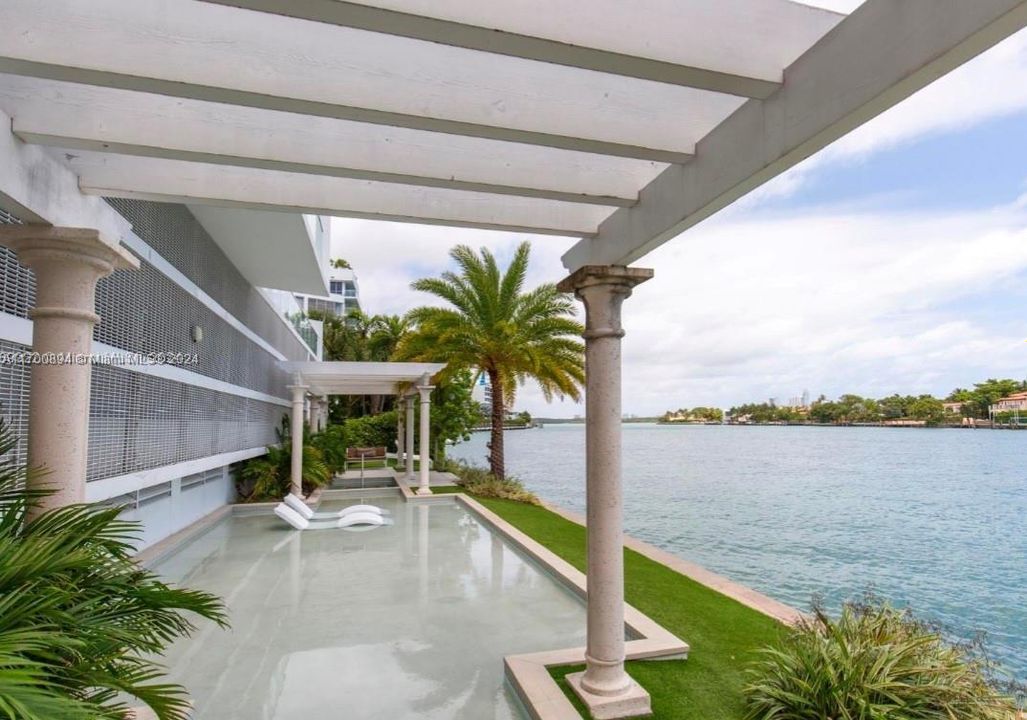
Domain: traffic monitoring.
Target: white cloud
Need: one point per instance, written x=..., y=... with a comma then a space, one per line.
x=743, y=309
x=990, y=86
x=387, y=257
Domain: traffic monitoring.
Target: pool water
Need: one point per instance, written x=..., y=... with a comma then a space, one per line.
x=409, y=620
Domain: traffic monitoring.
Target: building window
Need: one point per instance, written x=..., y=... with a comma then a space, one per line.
x=336, y=287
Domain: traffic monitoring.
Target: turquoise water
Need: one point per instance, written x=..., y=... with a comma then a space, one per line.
x=936, y=519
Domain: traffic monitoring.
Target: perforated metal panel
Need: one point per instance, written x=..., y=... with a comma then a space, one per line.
x=139, y=421
x=180, y=239
x=143, y=311
x=14, y=399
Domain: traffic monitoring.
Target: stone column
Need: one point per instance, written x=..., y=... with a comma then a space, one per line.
x=400, y=435
x=604, y=686
x=324, y=412
x=312, y=411
x=409, y=424
x=299, y=392
x=67, y=262
x=424, y=389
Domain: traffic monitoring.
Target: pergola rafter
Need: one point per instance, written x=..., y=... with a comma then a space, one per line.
x=622, y=131
x=499, y=40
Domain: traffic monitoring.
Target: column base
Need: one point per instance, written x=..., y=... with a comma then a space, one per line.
x=424, y=491
x=634, y=702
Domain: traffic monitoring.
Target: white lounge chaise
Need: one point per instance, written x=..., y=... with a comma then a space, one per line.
x=303, y=509
x=299, y=522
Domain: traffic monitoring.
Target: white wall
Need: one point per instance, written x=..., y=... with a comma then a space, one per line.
x=172, y=506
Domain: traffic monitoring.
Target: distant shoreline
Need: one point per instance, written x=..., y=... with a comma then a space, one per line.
x=983, y=425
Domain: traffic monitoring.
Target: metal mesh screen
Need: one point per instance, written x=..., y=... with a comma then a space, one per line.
x=14, y=399
x=138, y=421
x=179, y=238
x=143, y=311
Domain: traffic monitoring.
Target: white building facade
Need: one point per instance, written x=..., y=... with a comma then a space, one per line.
x=343, y=295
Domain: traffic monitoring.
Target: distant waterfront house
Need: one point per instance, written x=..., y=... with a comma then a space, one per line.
x=1016, y=401
x=954, y=408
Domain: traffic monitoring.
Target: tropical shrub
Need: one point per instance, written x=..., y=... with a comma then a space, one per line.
x=331, y=443
x=874, y=662
x=479, y=481
x=269, y=476
x=79, y=620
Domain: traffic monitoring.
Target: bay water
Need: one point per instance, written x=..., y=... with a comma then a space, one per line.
x=935, y=519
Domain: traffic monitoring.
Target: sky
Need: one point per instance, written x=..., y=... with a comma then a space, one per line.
x=895, y=260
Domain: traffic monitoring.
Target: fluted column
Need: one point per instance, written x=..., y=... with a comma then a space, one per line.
x=299, y=392
x=67, y=263
x=424, y=390
x=604, y=686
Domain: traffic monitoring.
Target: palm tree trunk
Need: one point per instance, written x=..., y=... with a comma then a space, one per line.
x=496, y=461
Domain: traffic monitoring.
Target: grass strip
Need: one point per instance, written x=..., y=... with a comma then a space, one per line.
x=722, y=633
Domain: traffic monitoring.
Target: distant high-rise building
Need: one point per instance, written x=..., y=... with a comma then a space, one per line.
x=343, y=296
x=482, y=394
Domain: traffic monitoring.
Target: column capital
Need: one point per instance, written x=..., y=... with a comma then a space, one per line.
x=425, y=391
x=603, y=288
x=617, y=276
x=35, y=242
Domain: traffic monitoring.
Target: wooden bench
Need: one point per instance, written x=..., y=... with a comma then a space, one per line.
x=363, y=455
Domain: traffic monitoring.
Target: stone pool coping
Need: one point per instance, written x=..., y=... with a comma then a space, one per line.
x=528, y=673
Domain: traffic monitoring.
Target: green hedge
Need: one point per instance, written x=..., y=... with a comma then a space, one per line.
x=372, y=431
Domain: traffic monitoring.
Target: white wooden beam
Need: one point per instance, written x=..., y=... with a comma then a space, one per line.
x=198, y=183
x=245, y=98
x=35, y=134
x=881, y=54
x=36, y=188
x=492, y=40
x=108, y=120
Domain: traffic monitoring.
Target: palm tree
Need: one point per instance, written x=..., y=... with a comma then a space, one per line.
x=80, y=622
x=387, y=332
x=496, y=327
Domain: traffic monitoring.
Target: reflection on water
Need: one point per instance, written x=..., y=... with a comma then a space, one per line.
x=408, y=621
x=933, y=518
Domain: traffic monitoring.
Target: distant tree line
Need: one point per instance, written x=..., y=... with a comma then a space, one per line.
x=695, y=415
x=851, y=408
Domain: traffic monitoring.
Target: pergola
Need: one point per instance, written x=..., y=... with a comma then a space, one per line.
x=320, y=380
x=622, y=124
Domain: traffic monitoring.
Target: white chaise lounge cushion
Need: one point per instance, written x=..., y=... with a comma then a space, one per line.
x=360, y=518
x=291, y=516
x=303, y=509
x=299, y=522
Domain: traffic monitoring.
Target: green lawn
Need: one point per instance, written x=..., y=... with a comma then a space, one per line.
x=722, y=633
